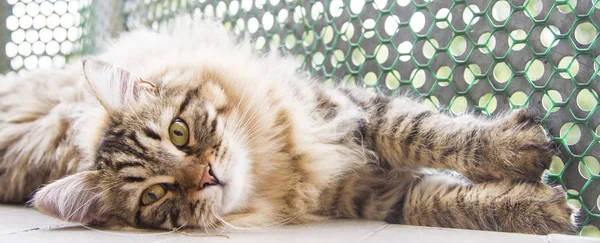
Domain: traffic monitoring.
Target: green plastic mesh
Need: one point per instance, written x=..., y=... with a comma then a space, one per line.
x=41, y=34
x=487, y=56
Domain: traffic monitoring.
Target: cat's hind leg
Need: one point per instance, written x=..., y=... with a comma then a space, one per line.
x=37, y=142
x=33, y=153
x=441, y=201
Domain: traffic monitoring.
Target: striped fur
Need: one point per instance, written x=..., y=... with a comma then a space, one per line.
x=285, y=148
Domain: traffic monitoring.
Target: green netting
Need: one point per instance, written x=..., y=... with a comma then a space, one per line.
x=41, y=33
x=491, y=56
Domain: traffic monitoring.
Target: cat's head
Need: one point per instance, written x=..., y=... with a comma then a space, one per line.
x=165, y=157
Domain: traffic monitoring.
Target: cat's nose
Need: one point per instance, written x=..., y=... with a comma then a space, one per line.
x=208, y=178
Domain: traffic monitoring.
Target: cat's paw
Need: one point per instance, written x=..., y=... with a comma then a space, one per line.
x=555, y=215
x=517, y=148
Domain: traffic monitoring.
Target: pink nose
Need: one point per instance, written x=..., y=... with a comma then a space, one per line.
x=208, y=179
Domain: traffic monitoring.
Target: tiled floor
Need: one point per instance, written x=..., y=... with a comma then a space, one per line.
x=19, y=224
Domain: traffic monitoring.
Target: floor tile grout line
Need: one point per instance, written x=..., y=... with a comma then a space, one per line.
x=372, y=233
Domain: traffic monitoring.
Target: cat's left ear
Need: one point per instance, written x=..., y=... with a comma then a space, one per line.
x=115, y=88
x=74, y=198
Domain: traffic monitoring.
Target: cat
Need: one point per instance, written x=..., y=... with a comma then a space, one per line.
x=192, y=128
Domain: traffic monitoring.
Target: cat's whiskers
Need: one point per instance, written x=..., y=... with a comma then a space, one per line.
x=252, y=136
x=250, y=104
x=259, y=122
x=228, y=118
x=211, y=226
x=243, y=130
x=196, y=217
x=251, y=130
x=220, y=219
x=244, y=134
x=204, y=223
x=257, y=111
x=257, y=107
x=281, y=222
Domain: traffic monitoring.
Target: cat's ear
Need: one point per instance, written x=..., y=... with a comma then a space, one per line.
x=75, y=198
x=115, y=88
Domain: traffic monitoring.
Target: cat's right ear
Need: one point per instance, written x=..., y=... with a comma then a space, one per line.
x=74, y=198
x=115, y=88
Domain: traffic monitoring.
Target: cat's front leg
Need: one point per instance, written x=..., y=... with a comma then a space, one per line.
x=406, y=133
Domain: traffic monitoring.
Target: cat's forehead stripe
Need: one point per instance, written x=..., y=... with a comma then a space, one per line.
x=133, y=138
x=152, y=134
x=188, y=96
x=132, y=179
x=123, y=165
x=128, y=145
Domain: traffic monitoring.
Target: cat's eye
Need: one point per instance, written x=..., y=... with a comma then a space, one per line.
x=179, y=133
x=153, y=194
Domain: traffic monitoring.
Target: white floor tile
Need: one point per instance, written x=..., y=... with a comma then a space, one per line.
x=18, y=218
x=20, y=224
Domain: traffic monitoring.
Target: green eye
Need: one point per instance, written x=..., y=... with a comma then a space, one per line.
x=153, y=194
x=179, y=133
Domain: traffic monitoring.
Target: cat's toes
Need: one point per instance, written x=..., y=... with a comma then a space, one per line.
x=520, y=146
x=544, y=211
x=559, y=215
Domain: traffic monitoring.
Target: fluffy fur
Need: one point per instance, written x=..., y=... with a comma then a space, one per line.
x=284, y=148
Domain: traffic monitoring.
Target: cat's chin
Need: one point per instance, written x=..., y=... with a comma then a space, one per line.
x=238, y=185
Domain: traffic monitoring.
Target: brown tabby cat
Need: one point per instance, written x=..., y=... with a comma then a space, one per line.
x=192, y=129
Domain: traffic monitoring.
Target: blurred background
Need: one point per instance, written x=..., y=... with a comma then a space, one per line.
x=484, y=56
